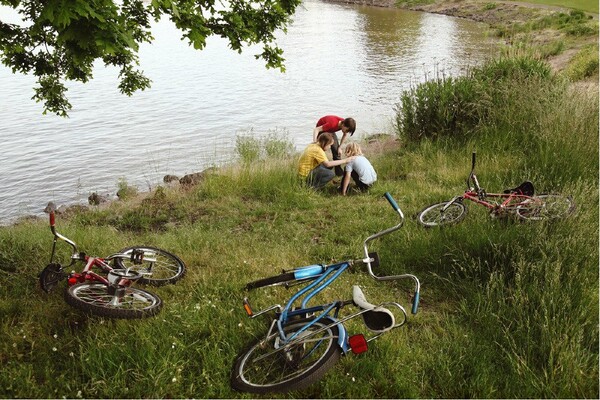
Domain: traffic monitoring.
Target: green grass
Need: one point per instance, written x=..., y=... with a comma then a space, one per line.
x=508, y=309
x=585, y=5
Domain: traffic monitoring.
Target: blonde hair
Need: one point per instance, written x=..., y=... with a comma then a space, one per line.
x=353, y=149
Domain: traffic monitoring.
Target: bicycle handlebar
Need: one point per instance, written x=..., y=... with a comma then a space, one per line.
x=472, y=177
x=389, y=198
x=51, y=210
x=367, y=259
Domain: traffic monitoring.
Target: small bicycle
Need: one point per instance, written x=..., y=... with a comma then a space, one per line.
x=519, y=201
x=303, y=342
x=112, y=296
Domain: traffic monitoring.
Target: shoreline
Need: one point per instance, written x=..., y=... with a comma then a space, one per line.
x=501, y=15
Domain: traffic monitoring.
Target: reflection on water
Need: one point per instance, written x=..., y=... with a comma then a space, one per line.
x=341, y=59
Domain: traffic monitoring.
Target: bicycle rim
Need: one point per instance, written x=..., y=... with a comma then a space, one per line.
x=271, y=366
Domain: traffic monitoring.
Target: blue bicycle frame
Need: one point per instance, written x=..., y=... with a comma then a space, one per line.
x=322, y=276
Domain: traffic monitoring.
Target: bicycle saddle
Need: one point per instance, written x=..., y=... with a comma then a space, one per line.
x=525, y=188
x=377, y=319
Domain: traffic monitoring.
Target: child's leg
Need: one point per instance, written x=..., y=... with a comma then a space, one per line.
x=319, y=177
x=334, y=152
x=359, y=184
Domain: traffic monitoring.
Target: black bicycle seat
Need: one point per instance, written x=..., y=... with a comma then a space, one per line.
x=525, y=188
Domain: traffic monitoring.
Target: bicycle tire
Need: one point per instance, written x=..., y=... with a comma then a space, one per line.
x=298, y=366
x=93, y=298
x=167, y=269
x=431, y=215
x=272, y=280
x=545, y=206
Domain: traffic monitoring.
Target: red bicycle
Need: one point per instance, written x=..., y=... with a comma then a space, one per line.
x=519, y=201
x=112, y=295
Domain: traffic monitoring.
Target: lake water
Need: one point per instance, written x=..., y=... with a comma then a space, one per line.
x=340, y=59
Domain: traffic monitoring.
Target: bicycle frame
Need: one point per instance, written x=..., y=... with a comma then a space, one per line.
x=87, y=274
x=476, y=194
x=320, y=277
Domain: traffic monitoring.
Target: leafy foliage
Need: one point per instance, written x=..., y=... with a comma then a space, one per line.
x=60, y=40
x=459, y=106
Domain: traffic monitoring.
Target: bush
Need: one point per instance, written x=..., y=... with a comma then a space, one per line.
x=275, y=145
x=446, y=106
x=247, y=148
x=278, y=145
x=513, y=68
x=456, y=106
x=126, y=191
x=584, y=64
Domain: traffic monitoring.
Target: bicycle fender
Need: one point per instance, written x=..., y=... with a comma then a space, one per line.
x=343, y=338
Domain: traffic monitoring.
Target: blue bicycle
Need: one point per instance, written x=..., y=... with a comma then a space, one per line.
x=303, y=342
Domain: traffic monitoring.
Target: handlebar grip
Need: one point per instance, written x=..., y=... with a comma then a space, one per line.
x=52, y=219
x=415, y=304
x=391, y=200
x=473, y=160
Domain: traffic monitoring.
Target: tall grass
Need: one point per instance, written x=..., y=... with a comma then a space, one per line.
x=508, y=309
x=535, y=301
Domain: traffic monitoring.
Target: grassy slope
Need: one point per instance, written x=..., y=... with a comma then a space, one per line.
x=508, y=309
x=585, y=5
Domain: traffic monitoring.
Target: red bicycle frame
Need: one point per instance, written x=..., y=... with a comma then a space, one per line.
x=86, y=274
x=478, y=195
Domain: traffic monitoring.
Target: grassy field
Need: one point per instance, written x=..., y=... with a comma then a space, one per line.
x=585, y=5
x=508, y=309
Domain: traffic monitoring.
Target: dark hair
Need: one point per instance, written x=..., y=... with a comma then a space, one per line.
x=324, y=139
x=350, y=123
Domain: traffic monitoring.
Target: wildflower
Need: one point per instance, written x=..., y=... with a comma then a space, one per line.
x=174, y=379
x=54, y=349
x=55, y=336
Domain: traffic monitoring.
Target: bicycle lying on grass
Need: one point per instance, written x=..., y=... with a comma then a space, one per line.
x=303, y=342
x=520, y=202
x=113, y=295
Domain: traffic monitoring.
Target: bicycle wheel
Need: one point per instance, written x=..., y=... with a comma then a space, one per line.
x=272, y=280
x=433, y=216
x=96, y=299
x=545, y=206
x=158, y=267
x=269, y=366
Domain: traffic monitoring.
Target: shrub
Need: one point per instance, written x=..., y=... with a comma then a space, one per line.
x=457, y=106
x=247, y=148
x=275, y=145
x=552, y=49
x=584, y=64
x=125, y=191
x=278, y=145
x=445, y=106
x=513, y=68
